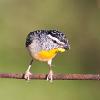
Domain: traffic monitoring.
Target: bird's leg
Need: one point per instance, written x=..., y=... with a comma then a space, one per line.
x=28, y=73
x=50, y=74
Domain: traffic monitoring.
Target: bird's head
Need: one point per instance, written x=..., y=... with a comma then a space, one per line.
x=59, y=40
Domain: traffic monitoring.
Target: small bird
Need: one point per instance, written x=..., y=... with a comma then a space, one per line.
x=43, y=45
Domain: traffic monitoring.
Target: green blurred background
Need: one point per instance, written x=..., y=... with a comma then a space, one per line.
x=79, y=19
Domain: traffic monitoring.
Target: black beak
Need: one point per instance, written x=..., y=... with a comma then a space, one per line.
x=67, y=47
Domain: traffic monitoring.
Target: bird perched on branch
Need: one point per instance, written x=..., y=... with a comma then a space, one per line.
x=43, y=45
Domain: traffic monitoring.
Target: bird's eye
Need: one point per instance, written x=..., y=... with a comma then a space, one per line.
x=54, y=41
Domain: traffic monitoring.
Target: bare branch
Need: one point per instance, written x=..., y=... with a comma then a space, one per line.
x=55, y=76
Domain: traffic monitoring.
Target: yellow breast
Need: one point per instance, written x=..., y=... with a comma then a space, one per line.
x=46, y=55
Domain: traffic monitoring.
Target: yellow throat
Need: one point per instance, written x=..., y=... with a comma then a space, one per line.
x=46, y=55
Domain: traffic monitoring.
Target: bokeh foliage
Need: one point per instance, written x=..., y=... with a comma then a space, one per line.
x=79, y=19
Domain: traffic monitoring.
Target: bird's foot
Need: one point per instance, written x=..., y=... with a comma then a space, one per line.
x=50, y=76
x=27, y=75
